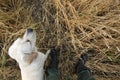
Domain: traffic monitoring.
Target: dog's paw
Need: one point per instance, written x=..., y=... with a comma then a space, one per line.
x=48, y=52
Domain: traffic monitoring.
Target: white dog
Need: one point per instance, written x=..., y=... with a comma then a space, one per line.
x=31, y=62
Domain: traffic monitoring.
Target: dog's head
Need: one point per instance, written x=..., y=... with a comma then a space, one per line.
x=23, y=46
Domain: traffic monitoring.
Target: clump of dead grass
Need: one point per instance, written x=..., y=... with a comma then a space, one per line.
x=73, y=26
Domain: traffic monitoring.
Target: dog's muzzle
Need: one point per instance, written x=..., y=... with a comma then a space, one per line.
x=30, y=35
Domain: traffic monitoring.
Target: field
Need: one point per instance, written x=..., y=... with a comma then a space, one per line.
x=74, y=26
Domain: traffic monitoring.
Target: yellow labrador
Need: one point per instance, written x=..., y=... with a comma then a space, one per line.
x=30, y=60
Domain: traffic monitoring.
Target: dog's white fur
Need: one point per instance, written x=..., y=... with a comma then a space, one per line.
x=31, y=62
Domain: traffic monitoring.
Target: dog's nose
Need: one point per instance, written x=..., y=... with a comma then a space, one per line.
x=29, y=30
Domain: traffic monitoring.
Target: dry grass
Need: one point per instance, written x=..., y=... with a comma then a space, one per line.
x=72, y=25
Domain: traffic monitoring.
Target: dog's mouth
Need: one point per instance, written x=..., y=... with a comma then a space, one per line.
x=29, y=41
x=30, y=36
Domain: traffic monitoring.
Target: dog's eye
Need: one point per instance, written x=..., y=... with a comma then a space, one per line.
x=27, y=40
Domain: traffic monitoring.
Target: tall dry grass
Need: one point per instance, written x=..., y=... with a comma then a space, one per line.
x=72, y=25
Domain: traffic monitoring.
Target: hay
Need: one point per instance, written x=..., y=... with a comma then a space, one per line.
x=72, y=25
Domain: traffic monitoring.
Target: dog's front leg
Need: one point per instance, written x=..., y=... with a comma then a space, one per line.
x=47, y=53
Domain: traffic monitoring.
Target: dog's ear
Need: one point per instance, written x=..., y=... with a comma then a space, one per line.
x=30, y=57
